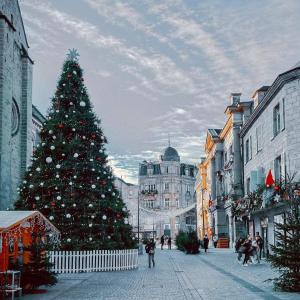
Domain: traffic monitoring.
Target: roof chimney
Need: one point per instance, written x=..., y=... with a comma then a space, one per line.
x=235, y=98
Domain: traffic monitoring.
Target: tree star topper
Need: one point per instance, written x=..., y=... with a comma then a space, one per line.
x=73, y=55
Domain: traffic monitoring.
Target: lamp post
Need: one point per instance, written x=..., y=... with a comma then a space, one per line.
x=202, y=209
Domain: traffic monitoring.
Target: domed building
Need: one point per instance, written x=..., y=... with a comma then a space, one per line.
x=166, y=195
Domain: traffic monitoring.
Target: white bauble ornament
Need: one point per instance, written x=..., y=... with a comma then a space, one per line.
x=62, y=205
x=73, y=129
x=90, y=225
x=92, y=144
x=83, y=137
x=82, y=104
x=31, y=186
x=66, y=116
x=49, y=160
x=57, y=111
x=52, y=147
x=58, y=197
x=90, y=239
x=104, y=172
x=61, y=96
x=51, y=218
x=109, y=190
x=43, y=144
x=95, y=123
x=126, y=221
x=102, y=196
x=46, y=206
x=108, y=237
x=56, y=188
x=74, y=111
x=98, y=178
x=30, y=174
x=68, y=216
x=93, y=186
x=102, y=137
x=93, y=170
x=124, y=208
x=75, y=176
x=37, y=198
x=74, y=72
x=71, y=103
x=38, y=169
x=90, y=205
x=113, y=193
x=70, y=183
x=93, y=217
x=50, y=234
x=57, y=176
x=64, y=84
x=68, y=240
x=54, y=137
x=24, y=181
x=74, y=205
x=104, y=217
x=58, y=166
x=64, y=143
x=42, y=183
x=75, y=155
x=49, y=118
x=91, y=159
x=50, y=131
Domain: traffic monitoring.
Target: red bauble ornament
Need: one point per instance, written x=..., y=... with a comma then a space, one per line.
x=93, y=135
x=69, y=75
x=276, y=188
x=53, y=203
x=61, y=125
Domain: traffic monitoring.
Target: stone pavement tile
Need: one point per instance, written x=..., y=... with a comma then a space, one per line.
x=214, y=276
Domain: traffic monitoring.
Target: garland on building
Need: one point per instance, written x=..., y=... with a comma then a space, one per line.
x=70, y=181
x=263, y=197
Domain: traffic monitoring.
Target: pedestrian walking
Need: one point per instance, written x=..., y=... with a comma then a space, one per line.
x=169, y=243
x=215, y=240
x=205, y=242
x=162, y=242
x=255, y=250
x=238, y=244
x=248, y=249
x=150, y=250
x=260, y=243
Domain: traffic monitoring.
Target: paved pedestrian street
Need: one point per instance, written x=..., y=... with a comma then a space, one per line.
x=215, y=275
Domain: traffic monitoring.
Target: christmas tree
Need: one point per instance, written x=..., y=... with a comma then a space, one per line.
x=286, y=251
x=70, y=181
x=37, y=271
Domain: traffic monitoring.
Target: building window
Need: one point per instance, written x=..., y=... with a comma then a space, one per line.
x=166, y=186
x=149, y=203
x=247, y=151
x=177, y=203
x=250, y=147
x=276, y=120
x=167, y=226
x=277, y=168
x=167, y=170
x=15, y=118
x=283, y=113
x=258, y=138
x=248, y=182
x=167, y=203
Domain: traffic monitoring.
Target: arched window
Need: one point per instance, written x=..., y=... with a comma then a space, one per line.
x=15, y=118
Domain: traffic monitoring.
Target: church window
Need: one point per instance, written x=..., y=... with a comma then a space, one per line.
x=15, y=118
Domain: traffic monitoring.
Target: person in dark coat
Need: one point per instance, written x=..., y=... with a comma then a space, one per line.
x=205, y=242
x=150, y=250
x=162, y=242
x=248, y=250
x=260, y=243
x=169, y=243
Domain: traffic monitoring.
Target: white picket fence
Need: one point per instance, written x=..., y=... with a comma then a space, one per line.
x=93, y=261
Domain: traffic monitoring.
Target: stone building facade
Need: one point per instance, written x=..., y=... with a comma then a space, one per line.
x=271, y=141
x=19, y=120
x=259, y=135
x=166, y=194
x=129, y=194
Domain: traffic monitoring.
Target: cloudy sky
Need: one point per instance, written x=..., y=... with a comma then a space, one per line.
x=161, y=67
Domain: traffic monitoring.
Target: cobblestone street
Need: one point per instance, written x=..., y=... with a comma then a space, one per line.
x=215, y=275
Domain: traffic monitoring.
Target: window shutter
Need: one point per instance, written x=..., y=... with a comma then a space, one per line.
x=253, y=181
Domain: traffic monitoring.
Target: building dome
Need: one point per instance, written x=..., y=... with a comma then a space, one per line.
x=170, y=154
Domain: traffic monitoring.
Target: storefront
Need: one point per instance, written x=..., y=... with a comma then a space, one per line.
x=16, y=229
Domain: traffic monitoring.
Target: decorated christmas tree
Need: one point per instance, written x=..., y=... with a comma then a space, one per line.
x=70, y=181
x=286, y=251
